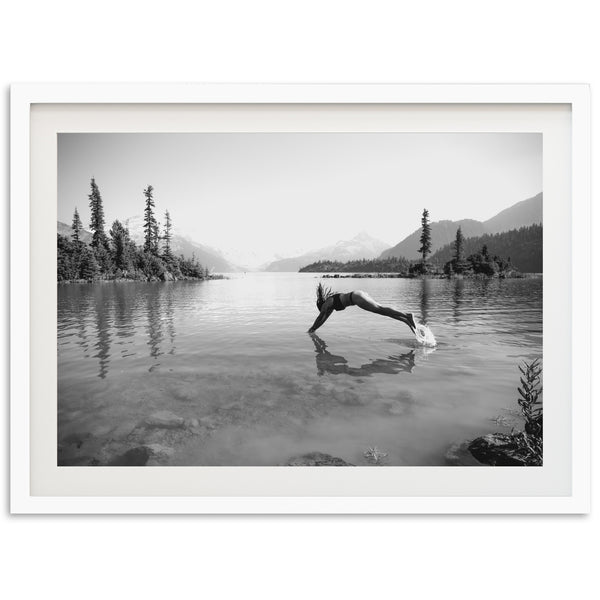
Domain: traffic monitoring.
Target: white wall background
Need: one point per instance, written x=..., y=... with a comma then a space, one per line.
x=521, y=41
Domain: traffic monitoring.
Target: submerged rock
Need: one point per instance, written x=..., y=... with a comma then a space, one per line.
x=458, y=455
x=164, y=419
x=317, y=459
x=135, y=457
x=160, y=451
x=76, y=439
x=208, y=422
x=496, y=449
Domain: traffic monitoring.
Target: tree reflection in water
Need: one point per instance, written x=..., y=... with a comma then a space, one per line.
x=457, y=299
x=114, y=311
x=154, y=327
x=425, y=294
x=103, y=336
x=123, y=323
x=170, y=323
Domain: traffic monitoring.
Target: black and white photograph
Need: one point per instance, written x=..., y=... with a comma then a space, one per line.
x=300, y=299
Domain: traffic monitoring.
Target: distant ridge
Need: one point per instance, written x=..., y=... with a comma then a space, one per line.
x=360, y=246
x=526, y=212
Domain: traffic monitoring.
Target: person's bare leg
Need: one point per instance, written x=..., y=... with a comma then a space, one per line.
x=396, y=314
x=364, y=301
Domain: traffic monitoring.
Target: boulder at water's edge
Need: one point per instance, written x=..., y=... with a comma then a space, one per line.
x=317, y=459
x=496, y=449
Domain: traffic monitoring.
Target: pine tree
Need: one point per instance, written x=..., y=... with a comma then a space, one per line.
x=150, y=224
x=459, y=245
x=120, y=246
x=66, y=259
x=167, y=235
x=97, y=217
x=459, y=252
x=425, y=239
x=104, y=259
x=77, y=229
x=156, y=237
x=88, y=266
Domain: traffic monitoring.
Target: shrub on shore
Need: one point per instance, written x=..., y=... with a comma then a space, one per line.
x=523, y=448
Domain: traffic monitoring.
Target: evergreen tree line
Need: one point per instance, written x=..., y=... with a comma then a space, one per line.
x=375, y=265
x=116, y=256
x=490, y=254
x=501, y=254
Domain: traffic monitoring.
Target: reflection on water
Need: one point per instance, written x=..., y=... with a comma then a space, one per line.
x=154, y=327
x=103, y=337
x=107, y=314
x=425, y=291
x=457, y=296
x=223, y=372
x=334, y=364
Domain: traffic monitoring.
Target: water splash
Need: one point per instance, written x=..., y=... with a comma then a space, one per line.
x=424, y=335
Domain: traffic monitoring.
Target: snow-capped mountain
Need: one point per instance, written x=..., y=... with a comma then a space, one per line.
x=361, y=246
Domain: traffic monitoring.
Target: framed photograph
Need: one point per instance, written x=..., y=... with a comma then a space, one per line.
x=300, y=298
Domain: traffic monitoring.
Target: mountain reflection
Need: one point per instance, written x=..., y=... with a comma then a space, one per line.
x=338, y=365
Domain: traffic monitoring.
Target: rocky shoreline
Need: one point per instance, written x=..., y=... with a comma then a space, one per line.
x=166, y=277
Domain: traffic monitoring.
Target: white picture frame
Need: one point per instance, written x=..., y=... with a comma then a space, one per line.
x=38, y=111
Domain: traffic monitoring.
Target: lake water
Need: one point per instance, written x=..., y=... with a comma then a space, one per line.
x=223, y=372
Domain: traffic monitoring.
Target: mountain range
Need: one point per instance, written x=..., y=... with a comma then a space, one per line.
x=360, y=246
x=521, y=214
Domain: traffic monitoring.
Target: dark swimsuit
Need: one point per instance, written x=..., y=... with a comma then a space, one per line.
x=337, y=303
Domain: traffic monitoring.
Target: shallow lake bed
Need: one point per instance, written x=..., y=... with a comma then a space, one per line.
x=223, y=372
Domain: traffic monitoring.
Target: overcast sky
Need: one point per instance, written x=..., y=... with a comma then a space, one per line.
x=281, y=192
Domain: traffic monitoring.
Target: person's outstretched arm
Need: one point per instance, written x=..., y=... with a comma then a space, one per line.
x=323, y=316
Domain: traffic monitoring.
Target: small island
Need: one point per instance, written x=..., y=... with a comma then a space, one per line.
x=478, y=257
